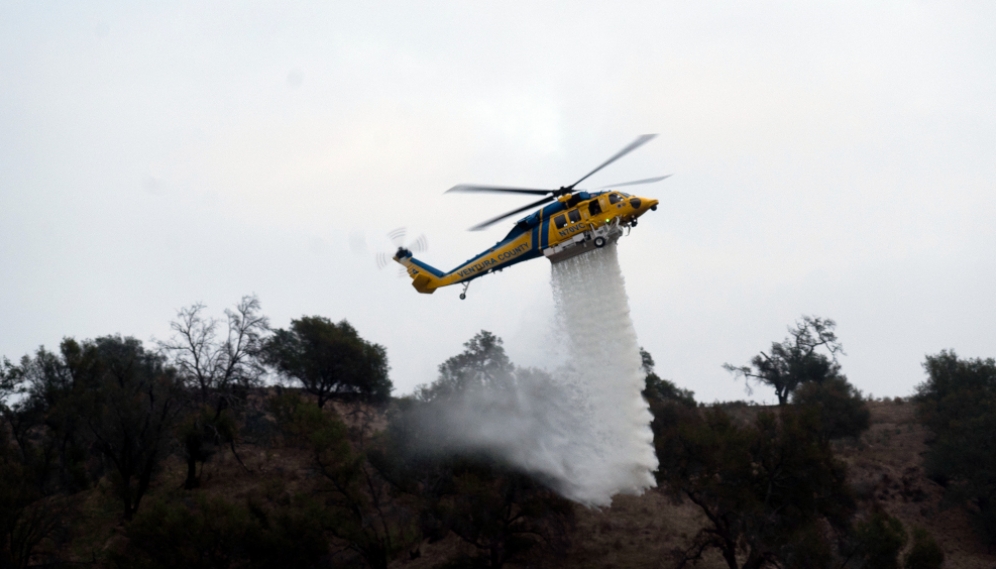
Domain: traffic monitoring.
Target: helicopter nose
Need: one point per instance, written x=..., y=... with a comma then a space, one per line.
x=641, y=205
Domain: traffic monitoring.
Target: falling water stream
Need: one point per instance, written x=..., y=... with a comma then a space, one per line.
x=586, y=431
x=604, y=366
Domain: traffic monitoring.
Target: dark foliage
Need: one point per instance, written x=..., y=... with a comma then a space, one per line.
x=47, y=421
x=876, y=542
x=330, y=360
x=764, y=487
x=103, y=407
x=202, y=431
x=659, y=389
x=107, y=396
x=958, y=403
x=104, y=413
x=795, y=360
x=365, y=513
x=209, y=533
x=925, y=553
x=507, y=515
x=28, y=515
x=483, y=363
x=841, y=410
x=129, y=402
x=503, y=513
x=33, y=502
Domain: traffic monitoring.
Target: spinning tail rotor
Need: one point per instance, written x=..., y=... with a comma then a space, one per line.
x=397, y=237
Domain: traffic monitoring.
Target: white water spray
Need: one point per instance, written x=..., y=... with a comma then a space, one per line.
x=605, y=366
x=588, y=431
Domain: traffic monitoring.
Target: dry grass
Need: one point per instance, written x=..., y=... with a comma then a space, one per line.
x=885, y=468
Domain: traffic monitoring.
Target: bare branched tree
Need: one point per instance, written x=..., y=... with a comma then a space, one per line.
x=216, y=366
x=795, y=360
x=218, y=369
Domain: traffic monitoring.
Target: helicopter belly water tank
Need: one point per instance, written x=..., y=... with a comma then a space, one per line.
x=584, y=243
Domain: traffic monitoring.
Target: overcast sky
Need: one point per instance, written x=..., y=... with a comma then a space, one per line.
x=829, y=158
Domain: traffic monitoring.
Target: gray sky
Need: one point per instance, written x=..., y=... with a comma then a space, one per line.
x=829, y=158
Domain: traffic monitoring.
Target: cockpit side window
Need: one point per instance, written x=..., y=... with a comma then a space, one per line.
x=574, y=215
x=593, y=208
x=614, y=199
x=560, y=221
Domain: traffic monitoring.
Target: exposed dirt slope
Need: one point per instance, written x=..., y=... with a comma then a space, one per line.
x=885, y=467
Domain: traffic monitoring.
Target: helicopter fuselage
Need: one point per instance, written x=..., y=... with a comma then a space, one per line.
x=574, y=224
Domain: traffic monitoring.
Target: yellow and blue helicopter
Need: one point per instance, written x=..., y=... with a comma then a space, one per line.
x=577, y=222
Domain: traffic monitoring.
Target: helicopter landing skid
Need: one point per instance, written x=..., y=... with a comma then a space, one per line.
x=585, y=242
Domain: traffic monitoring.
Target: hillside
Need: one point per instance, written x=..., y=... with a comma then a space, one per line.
x=637, y=531
x=884, y=467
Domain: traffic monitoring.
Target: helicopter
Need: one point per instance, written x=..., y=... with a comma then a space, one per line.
x=576, y=222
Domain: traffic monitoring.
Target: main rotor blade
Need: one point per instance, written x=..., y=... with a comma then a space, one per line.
x=643, y=139
x=636, y=183
x=496, y=189
x=494, y=220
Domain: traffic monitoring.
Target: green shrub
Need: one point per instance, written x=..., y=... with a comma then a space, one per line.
x=925, y=553
x=841, y=410
x=879, y=539
x=958, y=403
x=208, y=533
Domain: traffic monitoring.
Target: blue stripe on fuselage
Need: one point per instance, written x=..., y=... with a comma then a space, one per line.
x=423, y=266
x=531, y=254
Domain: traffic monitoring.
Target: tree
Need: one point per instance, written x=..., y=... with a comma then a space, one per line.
x=217, y=371
x=28, y=515
x=106, y=397
x=8, y=382
x=130, y=405
x=841, y=410
x=216, y=367
x=47, y=387
x=364, y=511
x=764, y=487
x=483, y=363
x=505, y=513
x=501, y=511
x=958, y=403
x=41, y=453
x=795, y=360
x=659, y=389
x=330, y=360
